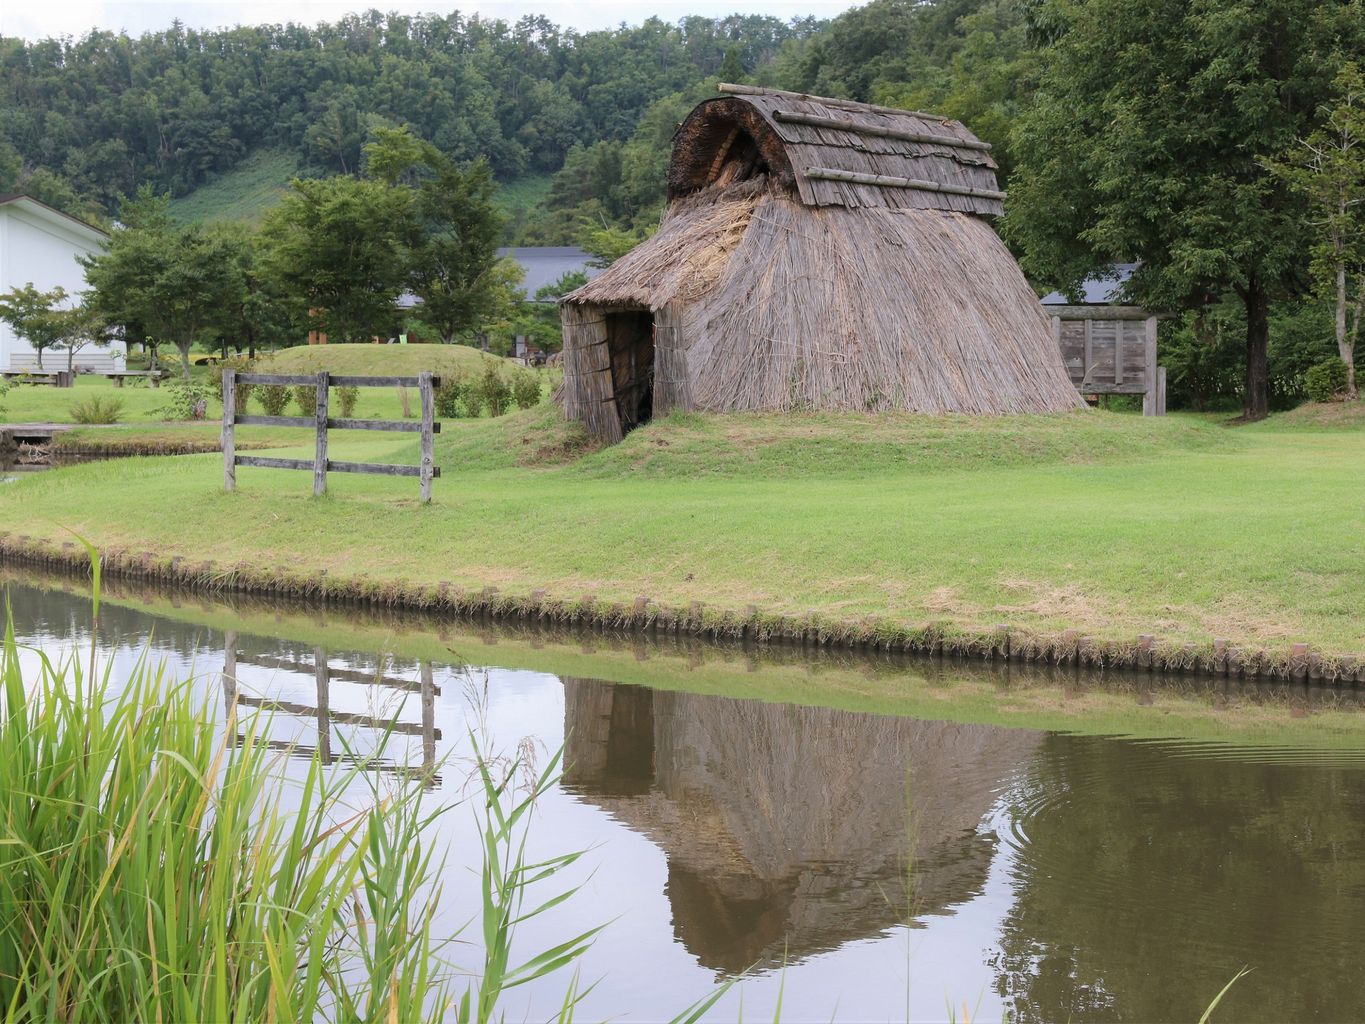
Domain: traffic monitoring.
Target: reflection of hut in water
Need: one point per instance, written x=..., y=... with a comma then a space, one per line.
x=790, y=830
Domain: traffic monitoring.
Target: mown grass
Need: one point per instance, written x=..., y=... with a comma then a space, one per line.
x=257, y=184
x=30, y=403
x=245, y=193
x=1106, y=523
x=381, y=360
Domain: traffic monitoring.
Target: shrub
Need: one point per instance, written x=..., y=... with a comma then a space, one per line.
x=4, y=387
x=405, y=401
x=347, y=397
x=97, y=409
x=273, y=398
x=238, y=364
x=497, y=393
x=1325, y=381
x=526, y=389
x=448, y=397
x=186, y=399
x=305, y=398
x=471, y=397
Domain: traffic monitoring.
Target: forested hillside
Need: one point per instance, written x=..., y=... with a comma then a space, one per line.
x=102, y=114
x=86, y=121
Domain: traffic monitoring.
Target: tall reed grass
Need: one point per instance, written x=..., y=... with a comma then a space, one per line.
x=155, y=868
x=149, y=871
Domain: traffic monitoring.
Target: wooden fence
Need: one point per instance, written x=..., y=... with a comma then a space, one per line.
x=1111, y=350
x=321, y=422
x=325, y=717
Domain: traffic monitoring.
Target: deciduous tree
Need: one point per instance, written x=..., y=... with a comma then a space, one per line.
x=158, y=279
x=1147, y=141
x=36, y=316
x=1328, y=168
x=338, y=248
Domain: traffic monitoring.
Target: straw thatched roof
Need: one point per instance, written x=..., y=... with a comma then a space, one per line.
x=815, y=254
x=800, y=137
x=788, y=830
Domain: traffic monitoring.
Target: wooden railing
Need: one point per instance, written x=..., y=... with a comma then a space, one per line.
x=425, y=383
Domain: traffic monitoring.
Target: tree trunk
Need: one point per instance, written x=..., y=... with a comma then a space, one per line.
x=70, y=359
x=1346, y=339
x=39, y=350
x=184, y=358
x=1256, y=400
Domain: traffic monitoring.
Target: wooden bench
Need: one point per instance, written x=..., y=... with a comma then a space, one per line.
x=53, y=378
x=153, y=377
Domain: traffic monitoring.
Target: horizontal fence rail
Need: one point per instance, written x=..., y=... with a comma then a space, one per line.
x=321, y=423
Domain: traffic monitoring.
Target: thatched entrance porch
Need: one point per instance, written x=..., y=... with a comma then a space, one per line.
x=609, y=367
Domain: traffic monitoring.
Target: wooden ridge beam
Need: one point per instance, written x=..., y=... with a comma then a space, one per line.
x=792, y=117
x=828, y=101
x=893, y=181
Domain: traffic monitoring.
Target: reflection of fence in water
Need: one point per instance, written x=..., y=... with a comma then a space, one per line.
x=325, y=716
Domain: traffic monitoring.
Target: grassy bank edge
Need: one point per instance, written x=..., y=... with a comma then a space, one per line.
x=1245, y=713
x=1143, y=653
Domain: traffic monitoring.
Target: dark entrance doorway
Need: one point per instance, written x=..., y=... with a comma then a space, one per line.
x=630, y=342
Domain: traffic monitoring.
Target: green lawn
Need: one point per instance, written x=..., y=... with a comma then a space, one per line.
x=396, y=360
x=1107, y=523
x=29, y=403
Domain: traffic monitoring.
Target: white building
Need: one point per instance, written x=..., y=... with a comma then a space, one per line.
x=39, y=245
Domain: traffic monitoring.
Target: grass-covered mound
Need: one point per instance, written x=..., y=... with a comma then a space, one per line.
x=380, y=360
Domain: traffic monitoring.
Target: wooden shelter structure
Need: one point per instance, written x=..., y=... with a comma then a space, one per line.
x=1109, y=348
x=815, y=254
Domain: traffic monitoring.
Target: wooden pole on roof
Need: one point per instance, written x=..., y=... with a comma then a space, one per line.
x=878, y=131
x=892, y=181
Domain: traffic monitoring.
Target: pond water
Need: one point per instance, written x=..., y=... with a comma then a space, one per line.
x=994, y=854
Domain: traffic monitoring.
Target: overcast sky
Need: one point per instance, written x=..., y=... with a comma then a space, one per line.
x=33, y=19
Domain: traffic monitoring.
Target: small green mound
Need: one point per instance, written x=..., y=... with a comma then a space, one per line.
x=822, y=445
x=380, y=360
x=1318, y=416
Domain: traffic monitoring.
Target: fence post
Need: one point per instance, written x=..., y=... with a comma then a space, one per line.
x=320, y=423
x=229, y=430
x=1149, y=399
x=427, y=394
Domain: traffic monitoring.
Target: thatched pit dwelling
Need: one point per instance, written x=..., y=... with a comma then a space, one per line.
x=815, y=254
